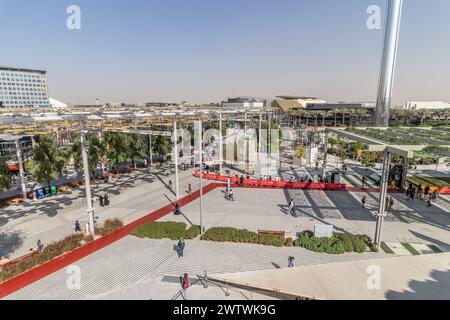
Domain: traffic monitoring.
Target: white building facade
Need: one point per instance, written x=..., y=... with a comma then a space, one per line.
x=23, y=88
x=243, y=103
x=431, y=105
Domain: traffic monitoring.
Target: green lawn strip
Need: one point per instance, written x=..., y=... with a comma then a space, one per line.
x=434, y=248
x=435, y=181
x=410, y=248
x=386, y=248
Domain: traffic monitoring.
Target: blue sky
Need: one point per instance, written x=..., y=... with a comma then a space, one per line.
x=207, y=50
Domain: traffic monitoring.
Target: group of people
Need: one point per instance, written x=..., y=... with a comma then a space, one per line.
x=421, y=193
x=104, y=200
x=229, y=195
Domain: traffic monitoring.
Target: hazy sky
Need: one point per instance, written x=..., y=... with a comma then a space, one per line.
x=207, y=50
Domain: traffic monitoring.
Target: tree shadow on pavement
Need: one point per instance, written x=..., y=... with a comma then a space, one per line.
x=10, y=242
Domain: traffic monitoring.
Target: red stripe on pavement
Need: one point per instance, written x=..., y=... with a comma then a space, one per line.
x=12, y=285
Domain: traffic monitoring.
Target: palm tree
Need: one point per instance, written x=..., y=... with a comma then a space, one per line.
x=344, y=111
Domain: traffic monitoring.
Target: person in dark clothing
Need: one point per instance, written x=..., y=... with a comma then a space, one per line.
x=241, y=180
x=77, y=226
x=411, y=194
x=427, y=191
x=181, y=245
x=363, y=201
x=106, y=200
x=102, y=201
x=177, y=210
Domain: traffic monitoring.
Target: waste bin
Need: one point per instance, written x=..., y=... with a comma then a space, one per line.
x=53, y=190
x=40, y=194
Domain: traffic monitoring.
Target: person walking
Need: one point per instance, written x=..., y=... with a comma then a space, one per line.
x=77, y=226
x=407, y=193
x=177, y=210
x=290, y=262
x=190, y=189
x=363, y=201
x=241, y=180
x=102, y=201
x=411, y=194
x=391, y=204
x=434, y=195
x=364, y=179
x=231, y=195
x=105, y=200
x=291, y=207
x=181, y=245
x=427, y=190
x=40, y=245
x=170, y=185
x=429, y=201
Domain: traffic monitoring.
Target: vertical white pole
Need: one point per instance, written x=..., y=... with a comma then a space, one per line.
x=245, y=144
x=150, y=148
x=87, y=181
x=383, y=194
x=220, y=144
x=175, y=142
x=21, y=171
x=200, y=145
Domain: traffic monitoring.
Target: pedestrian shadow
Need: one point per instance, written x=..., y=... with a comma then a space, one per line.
x=276, y=265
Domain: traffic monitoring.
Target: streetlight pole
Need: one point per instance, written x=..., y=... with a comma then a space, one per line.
x=383, y=194
x=200, y=161
x=220, y=144
x=325, y=154
x=175, y=143
x=21, y=171
x=87, y=180
x=245, y=144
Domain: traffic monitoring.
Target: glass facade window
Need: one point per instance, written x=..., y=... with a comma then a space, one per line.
x=20, y=88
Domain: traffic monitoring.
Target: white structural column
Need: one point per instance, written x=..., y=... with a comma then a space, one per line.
x=383, y=195
x=260, y=132
x=220, y=144
x=102, y=162
x=390, y=44
x=200, y=167
x=245, y=144
x=21, y=171
x=87, y=180
x=175, y=146
x=325, y=153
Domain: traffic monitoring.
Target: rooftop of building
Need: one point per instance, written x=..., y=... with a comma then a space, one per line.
x=22, y=70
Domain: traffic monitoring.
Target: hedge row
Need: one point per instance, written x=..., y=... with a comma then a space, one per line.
x=339, y=243
x=166, y=230
x=109, y=226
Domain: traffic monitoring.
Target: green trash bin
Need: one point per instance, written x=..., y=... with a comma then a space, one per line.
x=53, y=190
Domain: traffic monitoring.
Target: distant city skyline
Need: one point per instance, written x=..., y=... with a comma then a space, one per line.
x=205, y=51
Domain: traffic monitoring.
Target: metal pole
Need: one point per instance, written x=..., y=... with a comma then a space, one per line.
x=175, y=142
x=245, y=144
x=87, y=181
x=21, y=171
x=260, y=132
x=220, y=144
x=390, y=44
x=200, y=145
x=383, y=194
x=325, y=154
x=150, y=148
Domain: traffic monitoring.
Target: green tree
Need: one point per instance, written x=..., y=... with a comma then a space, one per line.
x=368, y=160
x=162, y=145
x=48, y=161
x=137, y=147
x=5, y=176
x=96, y=150
x=116, y=145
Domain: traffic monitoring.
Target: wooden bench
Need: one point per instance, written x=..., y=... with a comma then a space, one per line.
x=280, y=234
x=12, y=263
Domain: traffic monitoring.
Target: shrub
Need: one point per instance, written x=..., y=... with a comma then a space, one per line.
x=289, y=242
x=339, y=243
x=227, y=234
x=166, y=230
x=109, y=226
